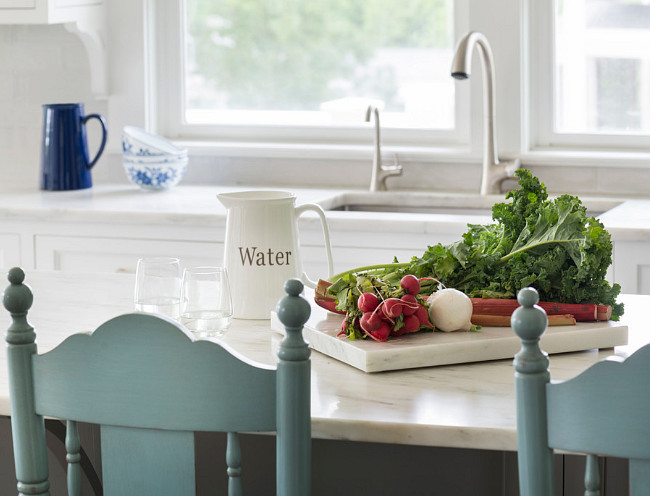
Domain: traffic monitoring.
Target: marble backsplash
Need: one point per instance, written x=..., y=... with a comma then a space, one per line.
x=620, y=181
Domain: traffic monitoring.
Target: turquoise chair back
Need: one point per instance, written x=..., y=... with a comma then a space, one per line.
x=150, y=386
x=602, y=411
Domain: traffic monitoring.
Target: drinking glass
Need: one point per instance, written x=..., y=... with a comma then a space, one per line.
x=206, y=306
x=158, y=286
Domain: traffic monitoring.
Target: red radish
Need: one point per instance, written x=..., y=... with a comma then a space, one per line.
x=367, y=302
x=344, y=326
x=409, y=304
x=399, y=332
x=423, y=315
x=382, y=333
x=370, y=321
x=411, y=323
x=392, y=307
x=410, y=284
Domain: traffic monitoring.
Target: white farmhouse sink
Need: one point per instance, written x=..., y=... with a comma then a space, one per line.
x=434, y=203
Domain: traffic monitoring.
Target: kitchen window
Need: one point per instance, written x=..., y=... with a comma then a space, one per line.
x=572, y=76
x=591, y=74
x=306, y=71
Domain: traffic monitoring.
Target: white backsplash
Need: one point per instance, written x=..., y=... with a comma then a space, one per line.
x=40, y=64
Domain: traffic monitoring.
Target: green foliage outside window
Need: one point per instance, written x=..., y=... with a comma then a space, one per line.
x=295, y=54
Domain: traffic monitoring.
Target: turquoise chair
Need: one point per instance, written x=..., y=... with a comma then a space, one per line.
x=150, y=387
x=603, y=411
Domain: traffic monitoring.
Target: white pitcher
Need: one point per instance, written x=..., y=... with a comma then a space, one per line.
x=262, y=249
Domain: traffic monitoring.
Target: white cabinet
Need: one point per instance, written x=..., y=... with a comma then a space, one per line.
x=9, y=250
x=632, y=266
x=47, y=11
x=17, y=4
x=84, y=18
x=97, y=254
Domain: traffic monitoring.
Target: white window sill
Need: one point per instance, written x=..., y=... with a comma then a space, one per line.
x=431, y=154
x=323, y=151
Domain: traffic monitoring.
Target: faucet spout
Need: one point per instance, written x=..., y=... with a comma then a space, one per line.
x=493, y=173
x=380, y=172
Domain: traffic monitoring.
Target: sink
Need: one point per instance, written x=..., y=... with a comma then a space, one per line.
x=457, y=204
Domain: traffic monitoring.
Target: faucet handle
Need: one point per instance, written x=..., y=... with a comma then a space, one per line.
x=393, y=170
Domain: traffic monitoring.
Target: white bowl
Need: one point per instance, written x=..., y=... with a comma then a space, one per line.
x=155, y=175
x=138, y=142
x=152, y=159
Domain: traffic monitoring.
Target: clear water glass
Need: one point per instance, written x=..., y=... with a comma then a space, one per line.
x=158, y=286
x=206, y=305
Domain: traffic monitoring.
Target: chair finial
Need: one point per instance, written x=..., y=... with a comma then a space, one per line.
x=529, y=320
x=18, y=297
x=293, y=310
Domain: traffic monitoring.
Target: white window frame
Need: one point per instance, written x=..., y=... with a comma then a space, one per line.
x=345, y=142
x=521, y=38
x=576, y=147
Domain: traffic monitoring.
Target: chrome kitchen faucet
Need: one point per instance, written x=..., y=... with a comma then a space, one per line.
x=494, y=172
x=380, y=172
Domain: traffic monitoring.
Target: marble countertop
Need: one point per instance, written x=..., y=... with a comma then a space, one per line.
x=198, y=205
x=466, y=406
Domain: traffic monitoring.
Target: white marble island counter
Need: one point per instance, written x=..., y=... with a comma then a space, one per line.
x=461, y=406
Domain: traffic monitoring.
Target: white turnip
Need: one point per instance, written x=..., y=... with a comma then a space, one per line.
x=450, y=310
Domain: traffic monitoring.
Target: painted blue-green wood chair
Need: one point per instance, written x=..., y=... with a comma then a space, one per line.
x=603, y=411
x=149, y=386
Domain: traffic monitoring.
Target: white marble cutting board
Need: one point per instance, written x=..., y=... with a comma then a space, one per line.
x=426, y=349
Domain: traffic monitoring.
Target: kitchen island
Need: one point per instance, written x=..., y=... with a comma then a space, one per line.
x=465, y=411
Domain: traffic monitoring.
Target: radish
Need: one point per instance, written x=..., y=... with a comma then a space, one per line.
x=370, y=321
x=382, y=332
x=450, y=310
x=392, y=307
x=409, y=304
x=367, y=302
x=410, y=284
x=411, y=323
x=423, y=316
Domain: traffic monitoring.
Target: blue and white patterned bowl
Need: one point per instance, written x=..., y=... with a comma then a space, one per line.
x=137, y=142
x=152, y=175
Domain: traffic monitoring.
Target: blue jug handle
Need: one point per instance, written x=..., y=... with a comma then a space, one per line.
x=102, y=122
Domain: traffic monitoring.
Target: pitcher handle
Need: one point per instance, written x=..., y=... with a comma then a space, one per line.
x=326, y=233
x=102, y=122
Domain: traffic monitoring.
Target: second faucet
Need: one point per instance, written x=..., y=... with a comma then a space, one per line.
x=380, y=172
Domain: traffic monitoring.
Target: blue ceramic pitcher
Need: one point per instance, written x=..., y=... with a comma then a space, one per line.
x=64, y=153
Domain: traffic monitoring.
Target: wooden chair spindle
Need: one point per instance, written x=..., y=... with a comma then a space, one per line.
x=73, y=457
x=293, y=387
x=31, y=469
x=592, y=476
x=233, y=460
x=531, y=376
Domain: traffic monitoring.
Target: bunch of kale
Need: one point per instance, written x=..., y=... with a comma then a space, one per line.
x=552, y=246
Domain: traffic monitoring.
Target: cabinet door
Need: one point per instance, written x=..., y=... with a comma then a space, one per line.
x=9, y=250
x=118, y=255
x=632, y=266
x=17, y=4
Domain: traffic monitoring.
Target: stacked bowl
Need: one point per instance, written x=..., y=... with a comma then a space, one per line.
x=151, y=161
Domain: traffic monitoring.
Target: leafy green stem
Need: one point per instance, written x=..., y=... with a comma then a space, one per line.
x=396, y=265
